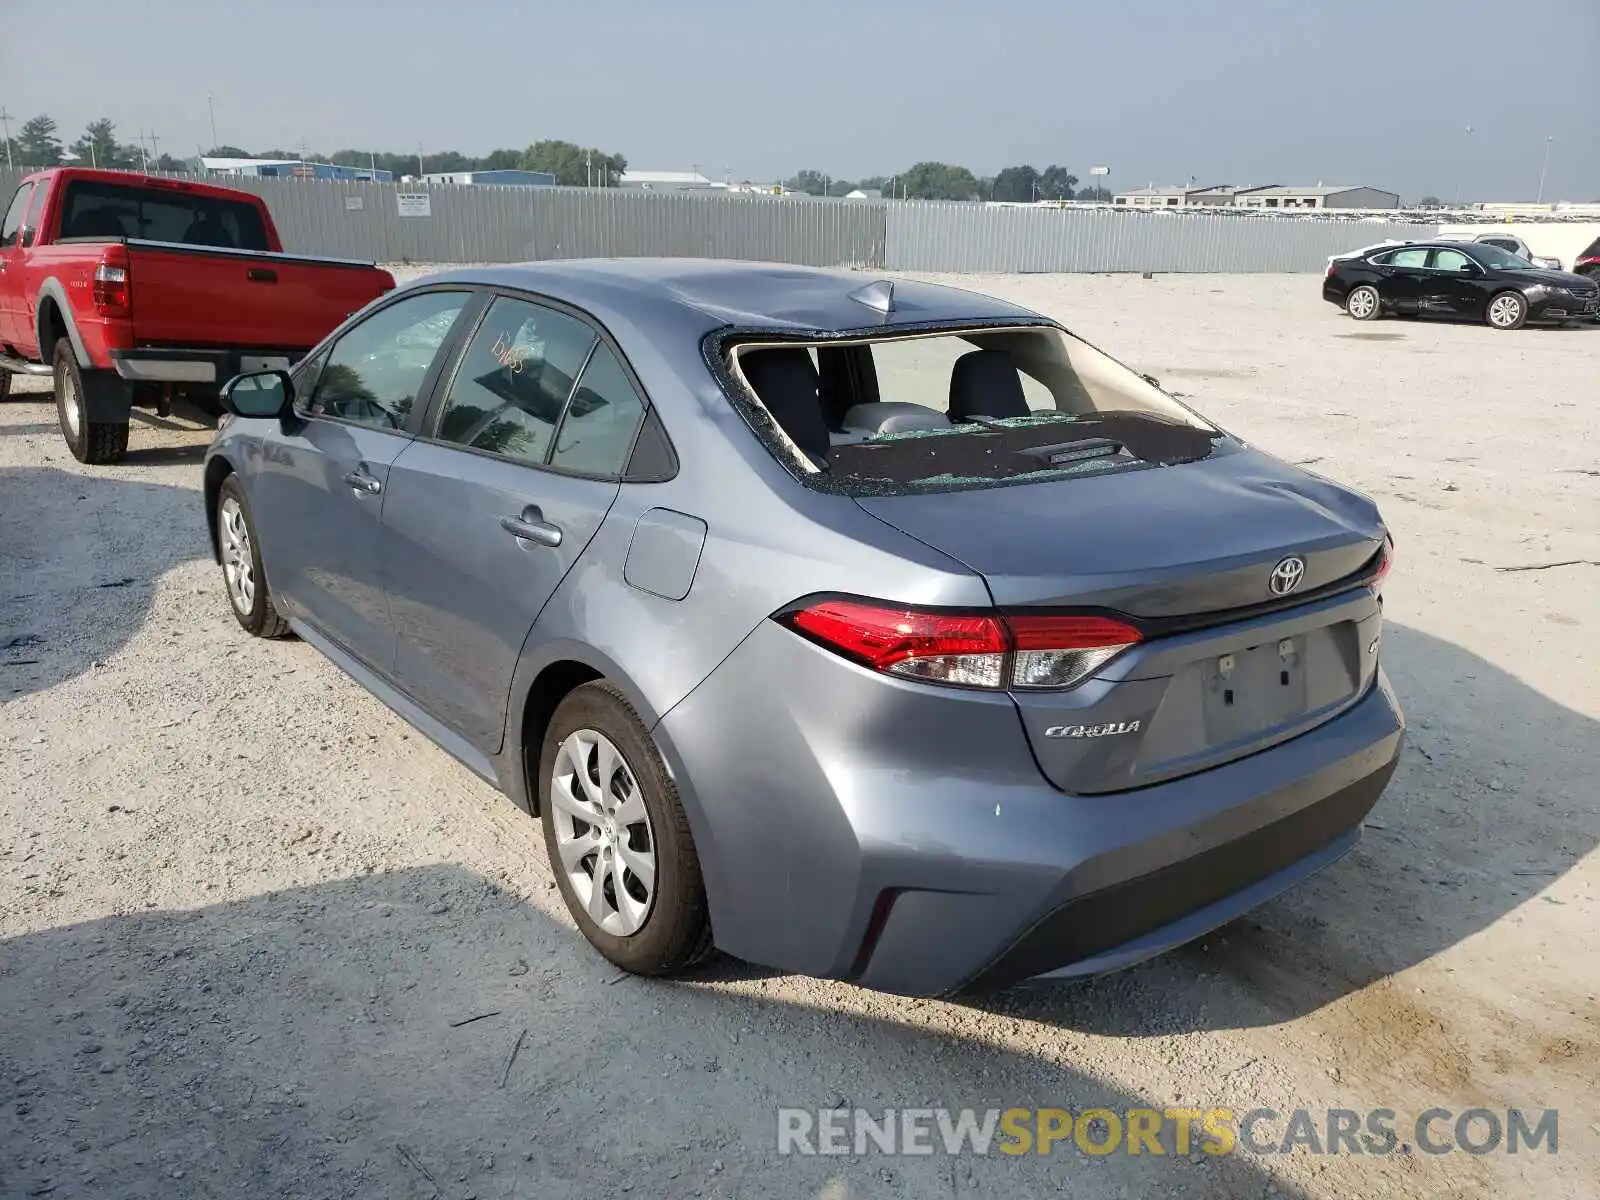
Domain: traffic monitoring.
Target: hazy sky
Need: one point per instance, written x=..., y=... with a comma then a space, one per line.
x=1264, y=91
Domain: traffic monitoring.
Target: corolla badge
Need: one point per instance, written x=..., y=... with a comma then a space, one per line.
x=1286, y=576
x=1111, y=729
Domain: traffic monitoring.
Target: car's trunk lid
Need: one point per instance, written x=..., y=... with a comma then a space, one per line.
x=1189, y=553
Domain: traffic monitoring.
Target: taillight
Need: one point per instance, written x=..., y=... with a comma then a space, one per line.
x=1385, y=561
x=968, y=649
x=113, y=289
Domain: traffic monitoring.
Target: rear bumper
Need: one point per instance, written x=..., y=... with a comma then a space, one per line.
x=215, y=367
x=909, y=843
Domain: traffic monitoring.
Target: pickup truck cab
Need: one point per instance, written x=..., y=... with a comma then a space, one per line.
x=138, y=290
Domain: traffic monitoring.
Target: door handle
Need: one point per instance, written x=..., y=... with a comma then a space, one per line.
x=532, y=527
x=362, y=482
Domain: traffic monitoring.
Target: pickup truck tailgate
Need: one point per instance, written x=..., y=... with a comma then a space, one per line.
x=200, y=296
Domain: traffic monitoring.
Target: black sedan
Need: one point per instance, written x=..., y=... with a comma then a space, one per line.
x=1457, y=279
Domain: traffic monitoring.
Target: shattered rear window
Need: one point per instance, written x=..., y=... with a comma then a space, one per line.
x=957, y=409
x=1030, y=449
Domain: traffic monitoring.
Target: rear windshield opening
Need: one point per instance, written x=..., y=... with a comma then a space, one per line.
x=969, y=409
x=93, y=209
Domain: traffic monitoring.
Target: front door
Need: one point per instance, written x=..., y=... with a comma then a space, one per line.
x=1457, y=284
x=320, y=492
x=487, y=513
x=13, y=291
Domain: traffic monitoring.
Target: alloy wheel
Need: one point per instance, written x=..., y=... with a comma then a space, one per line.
x=1363, y=301
x=604, y=839
x=1505, y=311
x=69, y=404
x=238, y=564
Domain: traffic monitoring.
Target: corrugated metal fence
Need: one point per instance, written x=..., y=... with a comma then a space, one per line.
x=394, y=223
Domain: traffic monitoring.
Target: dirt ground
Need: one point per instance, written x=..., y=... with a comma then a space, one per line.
x=248, y=917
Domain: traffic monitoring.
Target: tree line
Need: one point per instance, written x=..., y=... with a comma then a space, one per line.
x=39, y=144
x=945, y=181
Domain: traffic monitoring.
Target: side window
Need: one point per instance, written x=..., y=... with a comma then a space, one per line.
x=1413, y=258
x=11, y=227
x=374, y=372
x=1450, y=260
x=513, y=382
x=597, y=432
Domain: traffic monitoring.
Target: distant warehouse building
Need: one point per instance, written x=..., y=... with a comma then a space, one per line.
x=1227, y=195
x=1320, y=196
x=495, y=178
x=286, y=168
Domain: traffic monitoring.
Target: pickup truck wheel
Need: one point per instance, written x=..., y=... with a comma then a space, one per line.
x=242, y=575
x=92, y=442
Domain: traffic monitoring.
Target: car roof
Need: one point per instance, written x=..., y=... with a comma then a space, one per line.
x=717, y=293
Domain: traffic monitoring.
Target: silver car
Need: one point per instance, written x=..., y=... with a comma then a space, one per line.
x=864, y=629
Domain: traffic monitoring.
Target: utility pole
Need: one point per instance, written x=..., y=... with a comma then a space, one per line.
x=419, y=162
x=155, y=148
x=144, y=159
x=588, y=168
x=5, y=123
x=1539, y=199
x=212, y=109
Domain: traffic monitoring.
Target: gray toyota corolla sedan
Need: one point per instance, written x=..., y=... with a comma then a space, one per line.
x=864, y=629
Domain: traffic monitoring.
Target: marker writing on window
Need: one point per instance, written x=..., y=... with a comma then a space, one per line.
x=506, y=355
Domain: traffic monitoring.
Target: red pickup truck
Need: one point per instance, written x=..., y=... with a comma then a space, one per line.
x=138, y=290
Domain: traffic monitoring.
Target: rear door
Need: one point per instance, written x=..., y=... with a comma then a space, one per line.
x=486, y=514
x=319, y=492
x=1404, y=278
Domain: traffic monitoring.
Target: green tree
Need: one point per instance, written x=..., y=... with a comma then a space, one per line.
x=173, y=166
x=37, y=143
x=229, y=152
x=840, y=187
x=500, y=160
x=811, y=182
x=574, y=165
x=1016, y=184
x=1431, y=202
x=1094, y=192
x=98, y=146
x=939, y=181
x=1056, y=183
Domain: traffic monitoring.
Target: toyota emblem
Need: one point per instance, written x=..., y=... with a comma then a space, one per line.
x=1286, y=576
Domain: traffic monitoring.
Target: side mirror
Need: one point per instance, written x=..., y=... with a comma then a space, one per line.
x=1467, y=269
x=260, y=394
x=26, y=237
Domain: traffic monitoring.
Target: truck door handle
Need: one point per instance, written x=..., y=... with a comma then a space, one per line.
x=362, y=482
x=261, y=275
x=532, y=527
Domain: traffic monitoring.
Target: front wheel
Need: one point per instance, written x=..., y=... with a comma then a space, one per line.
x=1508, y=310
x=242, y=575
x=618, y=840
x=1363, y=303
x=92, y=442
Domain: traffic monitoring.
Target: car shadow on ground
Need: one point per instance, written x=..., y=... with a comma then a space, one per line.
x=1454, y=844
x=73, y=600
x=422, y=1033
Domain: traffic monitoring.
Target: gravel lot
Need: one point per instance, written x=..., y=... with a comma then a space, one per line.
x=246, y=913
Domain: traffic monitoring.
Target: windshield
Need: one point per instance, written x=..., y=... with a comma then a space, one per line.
x=960, y=410
x=1497, y=259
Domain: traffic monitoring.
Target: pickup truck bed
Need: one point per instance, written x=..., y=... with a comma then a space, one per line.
x=120, y=319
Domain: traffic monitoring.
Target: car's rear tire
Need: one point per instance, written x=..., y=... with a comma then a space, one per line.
x=1507, y=310
x=1363, y=303
x=243, y=578
x=92, y=442
x=611, y=818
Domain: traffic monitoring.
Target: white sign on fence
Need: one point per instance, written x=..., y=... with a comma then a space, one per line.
x=1099, y=170
x=354, y=204
x=413, y=204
